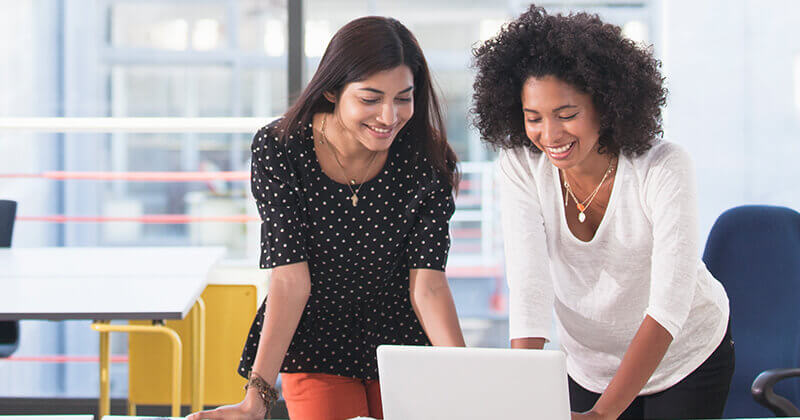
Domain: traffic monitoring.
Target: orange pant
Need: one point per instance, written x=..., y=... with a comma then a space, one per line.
x=319, y=396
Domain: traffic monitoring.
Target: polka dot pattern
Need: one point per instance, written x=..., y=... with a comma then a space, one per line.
x=359, y=257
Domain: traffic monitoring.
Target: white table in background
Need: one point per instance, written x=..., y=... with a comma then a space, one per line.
x=115, y=283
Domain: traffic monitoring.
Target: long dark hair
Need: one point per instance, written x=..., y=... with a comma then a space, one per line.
x=360, y=49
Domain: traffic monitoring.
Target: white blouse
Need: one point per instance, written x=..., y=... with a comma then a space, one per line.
x=643, y=260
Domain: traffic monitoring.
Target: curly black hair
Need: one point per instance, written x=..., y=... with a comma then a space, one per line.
x=622, y=79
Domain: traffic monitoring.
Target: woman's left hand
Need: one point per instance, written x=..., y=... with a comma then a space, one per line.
x=589, y=415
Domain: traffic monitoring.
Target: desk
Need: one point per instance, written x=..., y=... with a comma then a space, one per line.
x=105, y=284
x=46, y=417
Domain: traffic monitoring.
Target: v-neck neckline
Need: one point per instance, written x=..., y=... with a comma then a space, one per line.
x=609, y=209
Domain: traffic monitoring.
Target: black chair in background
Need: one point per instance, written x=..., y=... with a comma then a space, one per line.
x=755, y=252
x=9, y=330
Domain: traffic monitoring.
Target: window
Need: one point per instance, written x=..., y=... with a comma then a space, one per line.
x=228, y=58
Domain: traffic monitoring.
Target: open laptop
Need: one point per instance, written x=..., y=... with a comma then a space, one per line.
x=420, y=382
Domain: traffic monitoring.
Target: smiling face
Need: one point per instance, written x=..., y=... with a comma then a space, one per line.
x=369, y=113
x=562, y=122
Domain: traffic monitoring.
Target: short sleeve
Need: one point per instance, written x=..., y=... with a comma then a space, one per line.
x=275, y=189
x=429, y=239
x=670, y=195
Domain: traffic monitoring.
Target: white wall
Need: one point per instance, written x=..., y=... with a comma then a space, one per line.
x=729, y=68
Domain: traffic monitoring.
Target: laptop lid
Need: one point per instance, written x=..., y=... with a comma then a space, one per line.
x=422, y=382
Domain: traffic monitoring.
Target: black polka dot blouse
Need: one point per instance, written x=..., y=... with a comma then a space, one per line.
x=359, y=256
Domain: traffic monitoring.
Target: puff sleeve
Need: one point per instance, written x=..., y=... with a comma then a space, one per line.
x=276, y=190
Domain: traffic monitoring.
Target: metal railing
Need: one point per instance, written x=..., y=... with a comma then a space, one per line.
x=475, y=232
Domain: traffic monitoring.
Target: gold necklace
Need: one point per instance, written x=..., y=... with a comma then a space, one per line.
x=582, y=206
x=354, y=196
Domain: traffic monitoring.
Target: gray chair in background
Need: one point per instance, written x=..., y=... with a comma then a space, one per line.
x=9, y=330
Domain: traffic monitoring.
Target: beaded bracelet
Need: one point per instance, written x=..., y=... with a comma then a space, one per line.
x=266, y=391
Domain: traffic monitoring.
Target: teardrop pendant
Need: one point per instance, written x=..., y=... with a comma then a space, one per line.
x=581, y=217
x=354, y=199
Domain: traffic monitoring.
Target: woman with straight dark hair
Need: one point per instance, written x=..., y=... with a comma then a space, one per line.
x=355, y=189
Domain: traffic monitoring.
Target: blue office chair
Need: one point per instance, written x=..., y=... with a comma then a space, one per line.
x=755, y=252
x=9, y=330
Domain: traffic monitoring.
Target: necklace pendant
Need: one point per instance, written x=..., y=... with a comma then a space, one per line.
x=581, y=207
x=581, y=217
x=354, y=199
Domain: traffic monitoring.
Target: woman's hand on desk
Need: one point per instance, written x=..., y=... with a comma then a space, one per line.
x=251, y=408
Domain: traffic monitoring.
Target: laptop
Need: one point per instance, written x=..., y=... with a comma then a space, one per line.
x=422, y=382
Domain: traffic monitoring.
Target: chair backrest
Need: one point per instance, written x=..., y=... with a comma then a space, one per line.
x=8, y=213
x=755, y=252
x=9, y=330
x=230, y=308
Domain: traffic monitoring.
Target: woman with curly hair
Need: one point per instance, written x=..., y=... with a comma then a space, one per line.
x=354, y=186
x=600, y=220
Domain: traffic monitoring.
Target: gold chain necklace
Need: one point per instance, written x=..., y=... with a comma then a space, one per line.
x=354, y=196
x=582, y=206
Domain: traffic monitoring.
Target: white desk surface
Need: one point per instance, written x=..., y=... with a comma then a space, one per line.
x=103, y=283
x=49, y=417
x=138, y=418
